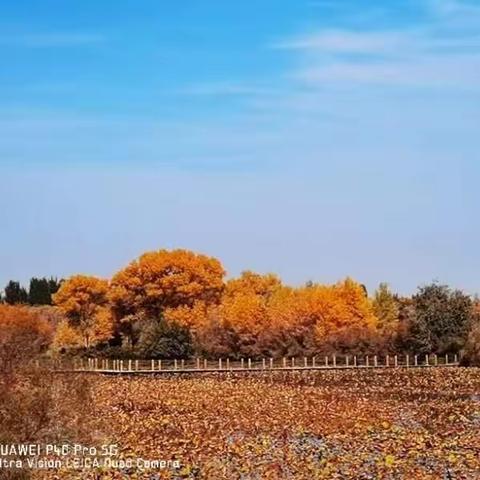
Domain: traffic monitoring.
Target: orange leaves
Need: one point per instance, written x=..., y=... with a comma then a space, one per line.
x=253, y=311
x=81, y=295
x=166, y=279
x=83, y=299
x=23, y=332
x=383, y=424
x=253, y=283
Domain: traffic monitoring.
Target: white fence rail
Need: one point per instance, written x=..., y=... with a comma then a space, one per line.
x=199, y=365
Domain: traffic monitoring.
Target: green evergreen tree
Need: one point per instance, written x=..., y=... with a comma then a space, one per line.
x=15, y=293
x=442, y=319
x=41, y=290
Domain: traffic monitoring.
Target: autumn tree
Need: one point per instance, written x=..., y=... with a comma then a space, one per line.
x=386, y=309
x=164, y=278
x=254, y=283
x=242, y=320
x=83, y=299
x=162, y=281
x=24, y=334
x=328, y=317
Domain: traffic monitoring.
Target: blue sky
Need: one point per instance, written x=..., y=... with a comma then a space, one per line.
x=312, y=138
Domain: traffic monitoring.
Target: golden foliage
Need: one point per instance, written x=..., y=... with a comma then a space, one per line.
x=193, y=317
x=253, y=311
x=253, y=283
x=24, y=333
x=166, y=279
x=66, y=337
x=83, y=299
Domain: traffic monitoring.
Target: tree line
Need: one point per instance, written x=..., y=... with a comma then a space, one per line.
x=39, y=292
x=177, y=303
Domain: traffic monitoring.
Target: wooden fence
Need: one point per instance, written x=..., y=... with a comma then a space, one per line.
x=202, y=365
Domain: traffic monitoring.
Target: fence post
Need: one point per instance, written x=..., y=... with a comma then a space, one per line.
x=415, y=360
x=264, y=365
x=355, y=361
x=159, y=365
x=242, y=363
x=129, y=365
x=387, y=360
x=136, y=365
x=284, y=361
x=305, y=362
x=396, y=361
x=219, y=363
x=446, y=359
x=293, y=361
x=228, y=364
x=205, y=363
x=271, y=363
x=198, y=363
x=249, y=363
x=435, y=359
x=326, y=361
x=375, y=362
x=314, y=361
x=407, y=359
x=182, y=363
x=121, y=365
x=152, y=365
x=347, y=360
x=367, y=363
x=455, y=359
x=427, y=359
x=334, y=360
x=175, y=364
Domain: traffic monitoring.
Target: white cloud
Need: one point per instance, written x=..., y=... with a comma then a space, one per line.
x=344, y=42
x=435, y=72
x=441, y=51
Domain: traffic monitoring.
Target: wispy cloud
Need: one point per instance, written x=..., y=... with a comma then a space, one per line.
x=454, y=7
x=443, y=51
x=48, y=40
x=343, y=42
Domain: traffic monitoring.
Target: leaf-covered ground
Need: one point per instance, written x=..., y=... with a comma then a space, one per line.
x=382, y=424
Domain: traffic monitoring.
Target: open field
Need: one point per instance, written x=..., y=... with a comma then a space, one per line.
x=388, y=424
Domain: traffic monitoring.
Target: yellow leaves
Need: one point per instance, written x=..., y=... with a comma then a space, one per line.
x=66, y=336
x=81, y=295
x=389, y=461
x=452, y=458
x=83, y=299
x=192, y=317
